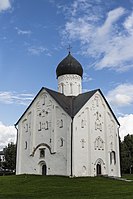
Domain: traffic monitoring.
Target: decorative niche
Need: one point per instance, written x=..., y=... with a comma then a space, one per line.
x=98, y=123
x=99, y=144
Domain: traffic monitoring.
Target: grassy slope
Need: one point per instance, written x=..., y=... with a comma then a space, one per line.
x=53, y=187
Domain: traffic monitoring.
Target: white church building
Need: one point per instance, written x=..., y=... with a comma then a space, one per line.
x=68, y=132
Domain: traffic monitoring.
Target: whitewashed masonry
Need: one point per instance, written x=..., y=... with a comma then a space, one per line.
x=67, y=132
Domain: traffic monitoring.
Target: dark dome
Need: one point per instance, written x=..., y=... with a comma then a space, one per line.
x=69, y=65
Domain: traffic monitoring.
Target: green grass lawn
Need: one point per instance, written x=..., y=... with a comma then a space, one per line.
x=55, y=187
x=128, y=176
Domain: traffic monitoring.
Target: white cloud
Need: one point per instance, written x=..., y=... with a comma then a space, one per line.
x=117, y=54
x=79, y=4
x=8, y=134
x=23, y=32
x=126, y=125
x=4, y=5
x=86, y=77
x=15, y=98
x=107, y=38
x=121, y=96
x=112, y=17
x=78, y=28
x=37, y=50
x=128, y=24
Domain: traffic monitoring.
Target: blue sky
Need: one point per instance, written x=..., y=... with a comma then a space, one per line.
x=34, y=37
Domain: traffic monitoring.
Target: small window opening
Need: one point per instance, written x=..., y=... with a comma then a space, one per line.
x=113, y=158
x=40, y=126
x=42, y=153
x=46, y=125
x=62, y=88
x=71, y=88
x=61, y=142
x=26, y=127
x=26, y=145
x=61, y=123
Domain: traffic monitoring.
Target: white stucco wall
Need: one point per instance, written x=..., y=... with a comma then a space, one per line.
x=95, y=136
x=69, y=85
x=46, y=126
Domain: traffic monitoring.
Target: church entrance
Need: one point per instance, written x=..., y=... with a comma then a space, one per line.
x=98, y=169
x=44, y=169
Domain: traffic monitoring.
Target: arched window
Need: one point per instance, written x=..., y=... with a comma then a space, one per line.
x=62, y=88
x=26, y=145
x=26, y=127
x=113, y=157
x=46, y=125
x=71, y=88
x=39, y=126
x=61, y=123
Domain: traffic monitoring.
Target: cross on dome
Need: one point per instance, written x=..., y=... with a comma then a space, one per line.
x=69, y=49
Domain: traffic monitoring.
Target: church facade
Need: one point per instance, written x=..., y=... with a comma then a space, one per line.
x=68, y=132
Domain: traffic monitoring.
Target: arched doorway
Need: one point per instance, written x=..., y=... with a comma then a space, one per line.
x=44, y=169
x=98, y=169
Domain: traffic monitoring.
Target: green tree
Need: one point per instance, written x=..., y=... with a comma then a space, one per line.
x=10, y=156
x=127, y=154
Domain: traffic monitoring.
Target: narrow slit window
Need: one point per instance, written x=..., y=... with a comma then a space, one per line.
x=26, y=145
x=61, y=123
x=62, y=88
x=46, y=125
x=61, y=142
x=26, y=127
x=71, y=88
x=40, y=126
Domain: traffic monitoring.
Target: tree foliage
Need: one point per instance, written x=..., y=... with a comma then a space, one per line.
x=10, y=156
x=126, y=149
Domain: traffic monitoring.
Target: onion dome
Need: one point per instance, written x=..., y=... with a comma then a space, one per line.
x=69, y=65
